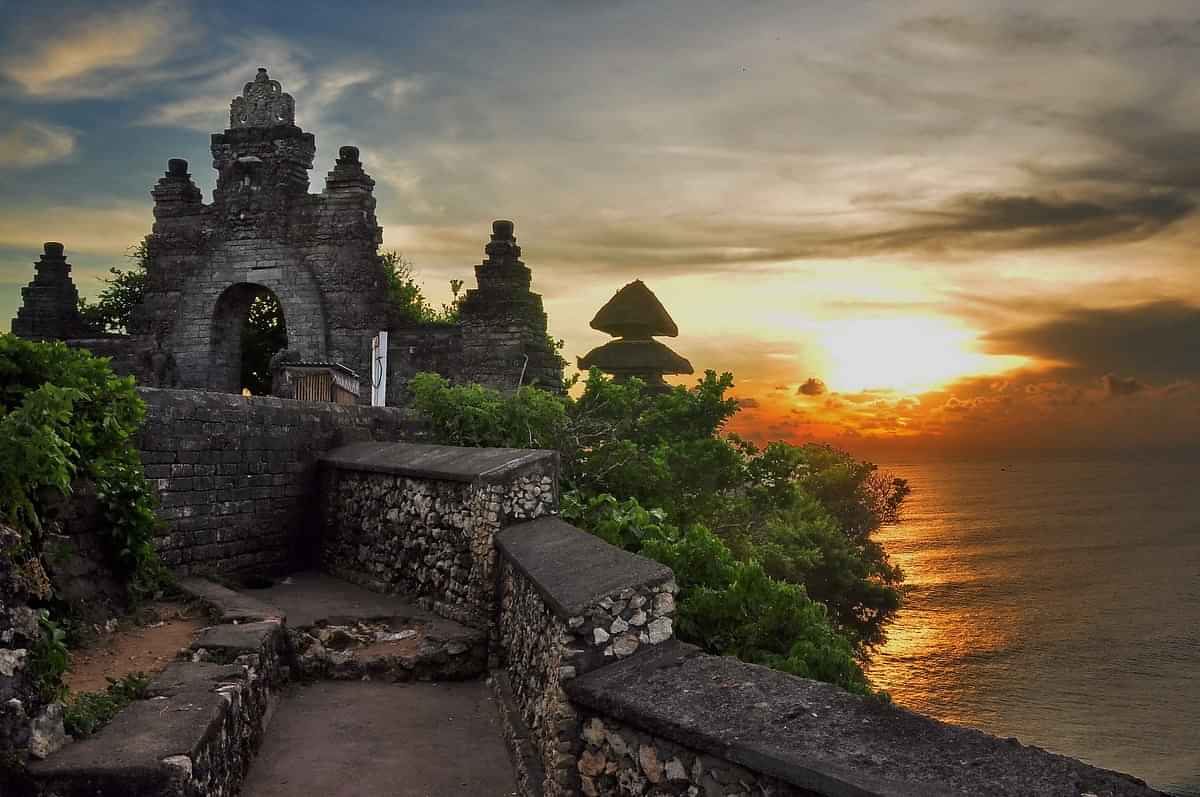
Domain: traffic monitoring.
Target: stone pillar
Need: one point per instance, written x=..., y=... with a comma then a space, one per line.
x=348, y=177
x=504, y=326
x=175, y=194
x=49, y=307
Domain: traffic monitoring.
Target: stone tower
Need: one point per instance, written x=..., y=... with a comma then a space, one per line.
x=634, y=316
x=49, y=308
x=504, y=336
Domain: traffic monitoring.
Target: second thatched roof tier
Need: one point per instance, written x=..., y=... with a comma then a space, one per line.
x=635, y=356
x=635, y=312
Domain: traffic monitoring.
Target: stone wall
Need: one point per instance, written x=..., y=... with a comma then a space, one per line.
x=422, y=519
x=622, y=759
x=432, y=348
x=569, y=603
x=237, y=477
x=22, y=581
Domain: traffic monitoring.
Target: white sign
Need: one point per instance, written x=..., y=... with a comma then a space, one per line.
x=379, y=370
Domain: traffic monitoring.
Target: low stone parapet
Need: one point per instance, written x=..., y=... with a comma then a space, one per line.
x=677, y=721
x=422, y=520
x=568, y=603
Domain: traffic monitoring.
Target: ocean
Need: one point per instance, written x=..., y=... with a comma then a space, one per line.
x=1057, y=602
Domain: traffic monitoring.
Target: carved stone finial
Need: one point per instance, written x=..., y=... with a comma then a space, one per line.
x=52, y=249
x=177, y=167
x=263, y=104
x=503, y=246
x=502, y=229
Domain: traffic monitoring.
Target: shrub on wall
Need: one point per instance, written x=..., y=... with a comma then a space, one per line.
x=64, y=415
x=772, y=547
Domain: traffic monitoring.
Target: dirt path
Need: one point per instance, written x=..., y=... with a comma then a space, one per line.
x=147, y=648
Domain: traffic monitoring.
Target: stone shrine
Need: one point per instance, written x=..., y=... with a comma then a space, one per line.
x=634, y=316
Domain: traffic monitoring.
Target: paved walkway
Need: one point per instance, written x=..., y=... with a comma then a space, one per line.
x=346, y=739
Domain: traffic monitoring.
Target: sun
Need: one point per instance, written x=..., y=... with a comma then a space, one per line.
x=906, y=355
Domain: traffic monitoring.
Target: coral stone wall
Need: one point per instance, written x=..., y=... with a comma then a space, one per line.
x=22, y=580
x=570, y=603
x=397, y=521
x=237, y=476
x=619, y=759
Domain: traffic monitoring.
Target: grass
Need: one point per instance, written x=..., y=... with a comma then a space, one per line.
x=88, y=712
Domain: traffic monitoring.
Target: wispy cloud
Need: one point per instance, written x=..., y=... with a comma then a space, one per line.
x=103, y=52
x=28, y=144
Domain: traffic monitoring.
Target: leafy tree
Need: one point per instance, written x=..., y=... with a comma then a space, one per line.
x=263, y=334
x=123, y=291
x=406, y=295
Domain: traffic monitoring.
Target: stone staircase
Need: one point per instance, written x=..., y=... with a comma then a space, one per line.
x=208, y=713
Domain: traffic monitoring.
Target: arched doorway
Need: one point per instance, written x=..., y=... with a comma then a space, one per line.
x=248, y=327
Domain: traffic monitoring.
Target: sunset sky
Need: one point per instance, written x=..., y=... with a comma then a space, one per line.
x=908, y=228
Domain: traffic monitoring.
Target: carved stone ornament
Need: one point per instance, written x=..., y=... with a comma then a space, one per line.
x=263, y=104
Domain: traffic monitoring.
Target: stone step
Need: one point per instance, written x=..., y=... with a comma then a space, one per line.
x=194, y=735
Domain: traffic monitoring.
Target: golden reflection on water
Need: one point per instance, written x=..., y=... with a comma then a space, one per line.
x=1055, y=602
x=939, y=627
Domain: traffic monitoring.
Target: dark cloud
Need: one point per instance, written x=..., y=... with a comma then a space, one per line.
x=995, y=222
x=1117, y=386
x=812, y=387
x=748, y=403
x=1156, y=341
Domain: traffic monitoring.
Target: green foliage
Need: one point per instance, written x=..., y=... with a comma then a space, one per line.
x=726, y=605
x=35, y=452
x=88, y=712
x=123, y=291
x=64, y=414
x=406, y=295
x=48, y=660
x=263, y=334
x=470, y=415
x=771, y=547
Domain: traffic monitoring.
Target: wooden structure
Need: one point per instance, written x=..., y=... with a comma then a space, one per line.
x=306, y=381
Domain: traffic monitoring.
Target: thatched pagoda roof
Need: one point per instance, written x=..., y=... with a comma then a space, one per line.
x=635, y=312
x=635, y=356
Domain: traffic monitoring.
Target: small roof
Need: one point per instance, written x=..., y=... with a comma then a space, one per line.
x=629, y=356
x=635, y=312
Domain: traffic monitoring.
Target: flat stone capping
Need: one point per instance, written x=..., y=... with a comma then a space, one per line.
x=815, y=736
x=231, y=606
x=447, y=463
x=131, y=754
x=571, y=568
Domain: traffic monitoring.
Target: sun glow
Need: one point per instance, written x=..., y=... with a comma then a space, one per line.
x=906, y=355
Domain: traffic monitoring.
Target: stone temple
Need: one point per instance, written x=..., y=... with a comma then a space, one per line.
x=634, y=316
x=317, y=254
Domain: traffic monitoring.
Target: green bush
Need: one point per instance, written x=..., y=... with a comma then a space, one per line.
x=64, y=414
x=771, y=547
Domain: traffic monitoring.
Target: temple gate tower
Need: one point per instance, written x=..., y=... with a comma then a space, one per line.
x=263, y=233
